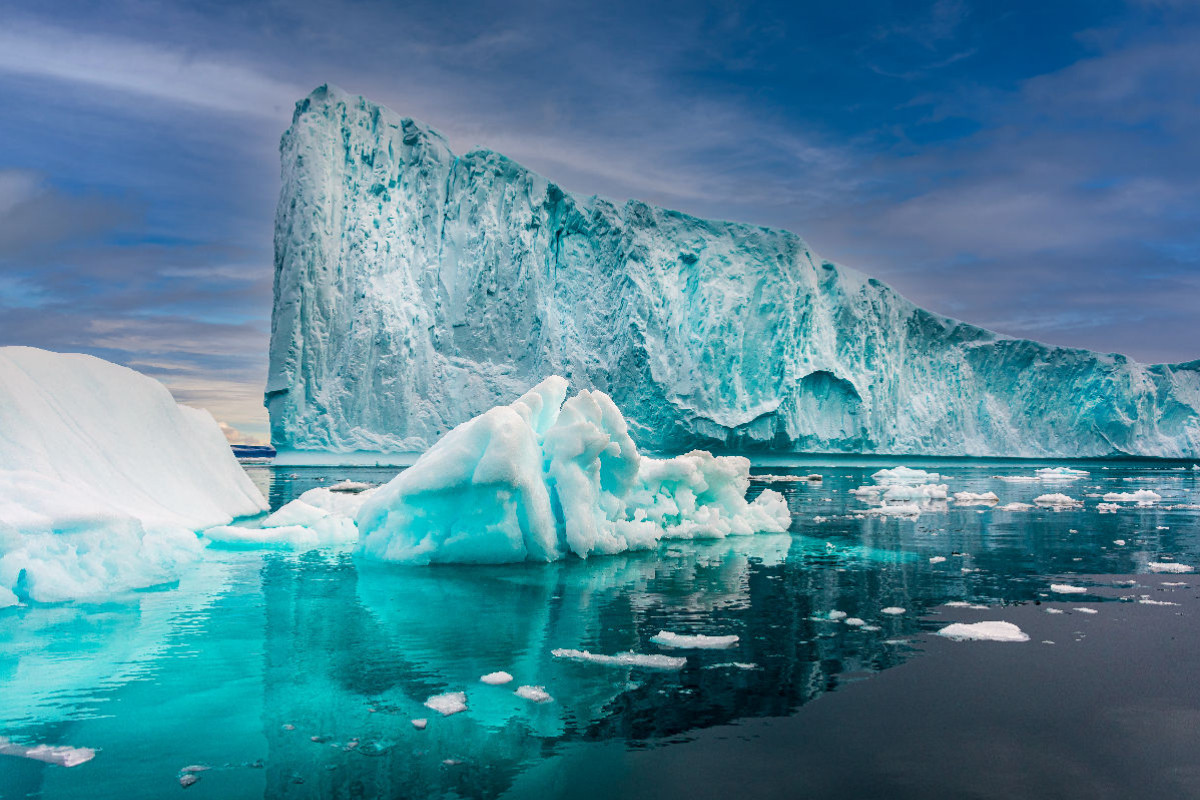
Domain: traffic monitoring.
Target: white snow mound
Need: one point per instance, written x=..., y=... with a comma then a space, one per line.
x=104, y=478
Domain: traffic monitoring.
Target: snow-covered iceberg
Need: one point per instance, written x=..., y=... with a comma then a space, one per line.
x=104, y=478
x=548, y=476
x=416, y=288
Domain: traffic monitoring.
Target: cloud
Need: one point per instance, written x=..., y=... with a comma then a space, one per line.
x=140, y=68
x=234, y=436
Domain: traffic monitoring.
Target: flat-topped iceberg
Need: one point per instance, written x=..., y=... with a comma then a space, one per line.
x=415, y=288
x=104, y=478
x=548, y=476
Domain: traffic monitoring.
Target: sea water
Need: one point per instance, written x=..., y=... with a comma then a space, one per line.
x=300, y=675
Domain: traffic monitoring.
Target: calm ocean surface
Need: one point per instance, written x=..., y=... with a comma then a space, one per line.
x=298, y=675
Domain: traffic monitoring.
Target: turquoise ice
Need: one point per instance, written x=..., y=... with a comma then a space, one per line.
x=416, y=288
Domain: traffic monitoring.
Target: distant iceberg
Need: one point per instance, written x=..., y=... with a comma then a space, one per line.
x=416, y=288
x=104, y=478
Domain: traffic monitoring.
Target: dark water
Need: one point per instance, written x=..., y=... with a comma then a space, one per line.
x=297, y=675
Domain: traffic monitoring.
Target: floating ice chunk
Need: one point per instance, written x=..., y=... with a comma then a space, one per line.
x=1053, y=610
x=1146, y=601
x=1168, y=566
x=974, y=499
x=984, y=632
x=937, y=559
x=854, y=622
x=623, y=659
x=1066, y=588
x=104, y=478
x=420, y=723
x=964, y=604
x=545, y=477
x=1061, y=473
x=1018, y=478
x=1173, y=583
x=537, y=694
x=448, y=703
x=1143, y=497
x=893, y=610
x=1056, y=501
x=697, y=641
x=905, y=475
x=1082, y=610
x=732, y=665
x=836, y=615
x=188, y=779
x=353, y=487
x=1107, y=508
x=1014, y=507
x=929, y=491
x=61, y=755
x=496, y=678
x=896, y=510
x=1119, y=542
x=788, y=478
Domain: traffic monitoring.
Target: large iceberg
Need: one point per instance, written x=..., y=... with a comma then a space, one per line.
x=104, y=478
x=416, y=288
x=548, y=476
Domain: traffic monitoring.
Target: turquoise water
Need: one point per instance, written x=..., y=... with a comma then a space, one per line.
x=298, y=675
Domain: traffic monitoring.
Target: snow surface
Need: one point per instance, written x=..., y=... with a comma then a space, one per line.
x=548, y=476
x=104, y=478
x=984, y=632
x=416, y=288
x=694, y=641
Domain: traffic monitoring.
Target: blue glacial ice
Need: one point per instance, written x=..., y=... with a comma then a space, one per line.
x=104, y=479
x=416, y=288
x=542, y=478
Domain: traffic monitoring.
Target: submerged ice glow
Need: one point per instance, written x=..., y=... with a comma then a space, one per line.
x=416, y=288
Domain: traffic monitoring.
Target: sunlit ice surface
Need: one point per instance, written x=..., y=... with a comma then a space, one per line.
x=300, y=675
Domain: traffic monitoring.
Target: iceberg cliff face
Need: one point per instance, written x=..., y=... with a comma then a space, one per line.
x=415, y=289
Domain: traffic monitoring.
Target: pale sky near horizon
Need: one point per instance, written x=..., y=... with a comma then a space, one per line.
x=1030, y=167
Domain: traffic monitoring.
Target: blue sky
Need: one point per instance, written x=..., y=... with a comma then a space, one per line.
x=1030, y=167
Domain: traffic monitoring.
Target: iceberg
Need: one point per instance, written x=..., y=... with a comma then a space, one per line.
x=416, y=288
x=104, y=479
x=549, y=476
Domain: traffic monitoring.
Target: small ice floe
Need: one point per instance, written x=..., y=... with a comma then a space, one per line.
x=696, y=641
x=420, y=724
x=1056, y=501
x=1085, y=610
x=836, y=615
x=1066, y=588
x=964, y=604
x=814, y=478
x=896, y=510
x=1174, y=584
x=1107, y=508
x=854, y=622
x=732, y=665
x=1169, y=566
x=1014, y=507
x=1053, y=610
x=937, y=559
x=1119, y=542
x=1061, y=474
x=188, y=780
x=819, y=519
x=448, y=703
x=1143, y=497
x=905, y=475
x=1162, y=528
x=1146, y=601
x=983, y=632
x=1018, y=478
x=893, y=610
x=622, y=659
x=61, y=755
x=353, y=487
x=496, y=678
x=537, y=694
x=976, y=499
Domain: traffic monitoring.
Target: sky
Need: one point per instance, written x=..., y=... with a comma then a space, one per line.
x=1030, y=167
